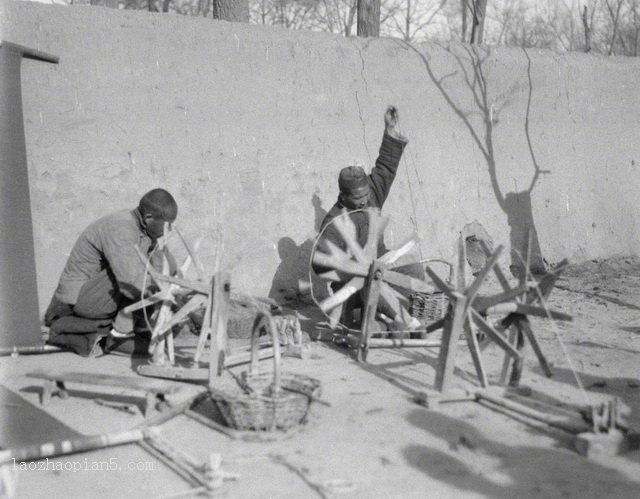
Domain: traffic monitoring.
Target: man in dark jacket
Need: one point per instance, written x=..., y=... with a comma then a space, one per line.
x=104, y=273
x=359, y=191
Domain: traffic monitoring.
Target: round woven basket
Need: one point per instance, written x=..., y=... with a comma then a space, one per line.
x=268, y=400
x=430, y=307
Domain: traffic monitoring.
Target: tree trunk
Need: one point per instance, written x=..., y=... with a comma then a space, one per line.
x=465, y=6
x=231, y=10
x=587, y=30
x=477, y=29
x=112, y=4
x=368, y=17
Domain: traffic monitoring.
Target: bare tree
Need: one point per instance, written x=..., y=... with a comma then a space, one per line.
x=409, y=19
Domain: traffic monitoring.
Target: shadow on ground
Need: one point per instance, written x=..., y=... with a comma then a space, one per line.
x=475, y=463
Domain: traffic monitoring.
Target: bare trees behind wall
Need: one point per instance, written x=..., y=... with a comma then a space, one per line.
x=610, y=27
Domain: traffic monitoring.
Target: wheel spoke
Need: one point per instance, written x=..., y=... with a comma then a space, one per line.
x=377, y=225
x=340, y=296
x=396, y=301
x=196, y=302
x=393, y=255
x=347, y=266
x=347, y=229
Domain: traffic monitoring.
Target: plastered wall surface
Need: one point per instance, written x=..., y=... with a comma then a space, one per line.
x=248, y=126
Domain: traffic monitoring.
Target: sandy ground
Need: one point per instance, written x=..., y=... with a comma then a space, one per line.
x=374, y=440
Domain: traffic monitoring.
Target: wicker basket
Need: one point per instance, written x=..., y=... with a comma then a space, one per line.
x=430, y=307
x=268, y=400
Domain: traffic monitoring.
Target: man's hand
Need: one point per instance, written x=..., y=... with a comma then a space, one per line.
x=391, y=120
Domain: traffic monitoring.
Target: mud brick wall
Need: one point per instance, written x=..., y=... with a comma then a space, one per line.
x=248, y=126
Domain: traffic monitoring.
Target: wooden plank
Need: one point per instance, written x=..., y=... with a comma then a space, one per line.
x=132, y=383
x=221, y=293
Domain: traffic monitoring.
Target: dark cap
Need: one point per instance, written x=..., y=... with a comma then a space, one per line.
x=351, y=177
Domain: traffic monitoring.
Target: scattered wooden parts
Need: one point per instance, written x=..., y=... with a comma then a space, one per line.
x=55, y=383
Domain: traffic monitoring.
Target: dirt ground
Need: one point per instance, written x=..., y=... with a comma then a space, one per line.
x=373, y=440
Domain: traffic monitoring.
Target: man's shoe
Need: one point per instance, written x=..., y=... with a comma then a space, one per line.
x=114, y=333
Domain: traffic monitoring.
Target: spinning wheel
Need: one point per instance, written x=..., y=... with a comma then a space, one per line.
x=470, y=311
x=342, y=258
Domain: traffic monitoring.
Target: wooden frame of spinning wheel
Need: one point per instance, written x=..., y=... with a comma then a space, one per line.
x=361, y=270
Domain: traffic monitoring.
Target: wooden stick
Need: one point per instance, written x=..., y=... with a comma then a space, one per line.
x=402, y=343
x=28, y=350
x=186, y=476
x=72, y=446
x=209, y=423
x=555, y=421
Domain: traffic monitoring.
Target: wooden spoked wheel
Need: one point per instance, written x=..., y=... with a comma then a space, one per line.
x=359, y=269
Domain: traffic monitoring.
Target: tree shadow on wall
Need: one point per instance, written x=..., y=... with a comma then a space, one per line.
x=294, y=264
x=474, y=462
x=515, y=204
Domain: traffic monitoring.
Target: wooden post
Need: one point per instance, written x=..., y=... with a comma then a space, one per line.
x=372, y=295
x=221, y=290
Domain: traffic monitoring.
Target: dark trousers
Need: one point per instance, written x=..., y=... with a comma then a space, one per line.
x=99, y=306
